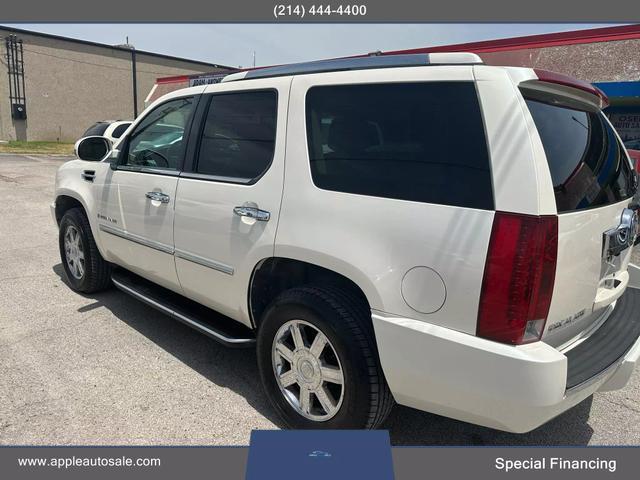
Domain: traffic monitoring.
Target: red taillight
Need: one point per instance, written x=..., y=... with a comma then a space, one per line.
x=518, y=278
x=567, y=81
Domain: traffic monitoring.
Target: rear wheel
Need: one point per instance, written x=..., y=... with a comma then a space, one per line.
x=318, y=361
x=85, y=268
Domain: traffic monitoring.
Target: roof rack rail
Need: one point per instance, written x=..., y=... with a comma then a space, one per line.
x=358, y=63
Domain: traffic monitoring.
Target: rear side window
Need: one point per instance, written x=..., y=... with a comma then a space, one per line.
x=588, y=165
x=96, y=129
x=422, y=142
x=239, y=135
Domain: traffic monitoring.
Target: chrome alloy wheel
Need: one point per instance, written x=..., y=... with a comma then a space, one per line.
x=74, y=252
x=308, y=370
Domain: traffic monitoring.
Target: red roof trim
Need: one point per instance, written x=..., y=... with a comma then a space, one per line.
x=175, y=79
x=593, y=35
x=567, y=81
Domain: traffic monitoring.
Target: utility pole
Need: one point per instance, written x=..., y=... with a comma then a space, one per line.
x=134, y=74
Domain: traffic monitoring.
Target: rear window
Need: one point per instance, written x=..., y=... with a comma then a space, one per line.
x=96, y=129
x=588, y=165
x=422, y=142
x=119, y=130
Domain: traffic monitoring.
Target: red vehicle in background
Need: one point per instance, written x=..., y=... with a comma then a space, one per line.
x=635, y=158
x=633, y=147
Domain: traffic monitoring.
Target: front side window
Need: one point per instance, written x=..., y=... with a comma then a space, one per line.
x=422, y=142
x=588, y=165
x=158, y=140
x=239, y=135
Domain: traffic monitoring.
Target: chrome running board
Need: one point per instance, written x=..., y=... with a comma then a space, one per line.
x=204, y=320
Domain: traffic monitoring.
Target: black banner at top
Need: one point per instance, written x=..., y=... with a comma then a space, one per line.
x=321, y=11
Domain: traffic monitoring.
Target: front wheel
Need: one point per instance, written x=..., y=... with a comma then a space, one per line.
x=86, y=270
x=318, y=361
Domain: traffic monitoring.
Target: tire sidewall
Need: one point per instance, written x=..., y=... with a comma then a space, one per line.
x=70, y=219
x=354, y=410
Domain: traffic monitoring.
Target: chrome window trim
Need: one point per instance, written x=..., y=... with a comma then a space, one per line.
x=149, y=170
x=216, y=178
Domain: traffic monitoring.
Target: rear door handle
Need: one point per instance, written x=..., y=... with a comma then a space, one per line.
x=252, y=212
x=158, y=197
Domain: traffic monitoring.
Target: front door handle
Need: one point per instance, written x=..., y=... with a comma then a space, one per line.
x=252, y=212
x=158, y=197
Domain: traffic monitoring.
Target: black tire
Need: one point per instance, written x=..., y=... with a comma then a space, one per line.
x=345, y=320
x=97, y=272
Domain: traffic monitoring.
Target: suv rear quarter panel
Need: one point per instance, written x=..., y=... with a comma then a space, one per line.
x=376, y=241
x=521, y=180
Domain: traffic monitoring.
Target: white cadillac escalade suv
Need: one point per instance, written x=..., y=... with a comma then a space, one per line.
x=423, y=229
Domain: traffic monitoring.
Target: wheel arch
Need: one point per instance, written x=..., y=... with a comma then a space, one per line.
x=272, y=276
x=65, y=202
x=66, y=199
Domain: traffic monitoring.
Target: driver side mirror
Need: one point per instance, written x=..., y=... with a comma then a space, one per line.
x=93, y=149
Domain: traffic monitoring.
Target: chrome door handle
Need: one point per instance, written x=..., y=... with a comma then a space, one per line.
x=158, y=197
x=252, y=212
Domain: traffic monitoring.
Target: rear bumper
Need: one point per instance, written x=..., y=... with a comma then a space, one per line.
x=468, y=378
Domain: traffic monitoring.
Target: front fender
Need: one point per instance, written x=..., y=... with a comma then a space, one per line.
x=70, y=183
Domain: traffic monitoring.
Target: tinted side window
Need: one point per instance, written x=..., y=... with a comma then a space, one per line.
x=422, y=142
x=119, y=130
x=96, y=129
x=239, y=134
x=588, y=165
x=157, y=141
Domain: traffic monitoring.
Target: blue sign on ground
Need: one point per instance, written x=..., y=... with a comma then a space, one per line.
x=320, y=454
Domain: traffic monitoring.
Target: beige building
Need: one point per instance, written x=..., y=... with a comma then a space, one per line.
x=70, y=84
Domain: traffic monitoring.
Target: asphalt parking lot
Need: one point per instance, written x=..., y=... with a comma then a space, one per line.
x=106, y=369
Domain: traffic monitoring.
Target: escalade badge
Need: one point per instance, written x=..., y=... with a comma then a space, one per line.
x=618, y=239
x=108, y=219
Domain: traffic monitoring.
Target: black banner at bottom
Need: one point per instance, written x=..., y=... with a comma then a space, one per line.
x=410, y=463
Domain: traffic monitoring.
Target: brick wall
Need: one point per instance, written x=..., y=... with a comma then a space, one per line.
x=593, y=62
x=71, y=85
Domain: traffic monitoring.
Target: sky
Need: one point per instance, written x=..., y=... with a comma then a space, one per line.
x=235, y=44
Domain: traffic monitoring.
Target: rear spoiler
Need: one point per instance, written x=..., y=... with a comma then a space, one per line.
x=557, y=83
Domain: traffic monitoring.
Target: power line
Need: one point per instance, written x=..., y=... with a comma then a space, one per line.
x=91, y=63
